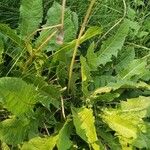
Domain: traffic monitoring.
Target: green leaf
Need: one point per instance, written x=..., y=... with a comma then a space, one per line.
x=17, y=96
x=92, y=57
x=126, y=84
x=48, y=93
x=91, y=32
x=127, y=120
x=53, y=18
x=111, y=46
x=7, y=31
x=62, y=73
x=31, y=13
x=124, y=58
x=38, y=143
x=136, y=67
x=4, y=146
x=109, y=139
x=64, y=142
x=85, y=73
x=143, y=139
x=140, y=105
x=103, y=80
x=111, y=91
x=14, y=131
x=84, y=123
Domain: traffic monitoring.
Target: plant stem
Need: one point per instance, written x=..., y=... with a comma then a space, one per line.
x=47, y=40
x=63, y=14
x=49, y=37
x=43, y=28
x=78, y=41
x=62, y=108
x=138, y=46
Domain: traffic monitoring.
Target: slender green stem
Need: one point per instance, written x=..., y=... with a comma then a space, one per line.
x=63, y=13
x=78, y=41
x=46, y=41
x=138, y=46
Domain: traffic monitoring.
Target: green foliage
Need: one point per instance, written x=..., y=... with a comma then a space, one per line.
x=125, y=57
x=7, y=31
x=113, y=45
x=84, y=123
x=136, y=67
x=127, y=121
x=64, y=141
x=17, y=96
x=14, y=131
x=90, y=33
x=109, y=48
x=108, y=106
x=47, y=143
x=53, y=18
x=30, y=18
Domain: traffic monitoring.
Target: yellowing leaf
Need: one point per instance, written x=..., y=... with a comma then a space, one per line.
x=123, y=126
x=140, y=105
x=127, y=121
x=38, y=143
x=84, y=123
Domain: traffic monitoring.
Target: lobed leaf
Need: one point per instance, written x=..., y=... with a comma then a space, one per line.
x=111, y=46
